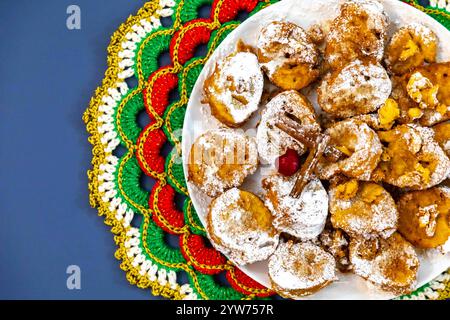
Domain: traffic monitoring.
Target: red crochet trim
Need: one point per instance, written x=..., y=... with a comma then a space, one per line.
x=190, y=41
x=243, y=279
x=148, y=152
x=165, y=201
x=160, y=91
x=230, y=8
x=205, y=259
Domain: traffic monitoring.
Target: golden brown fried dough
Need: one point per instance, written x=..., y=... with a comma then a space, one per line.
x=363, y=209
x=300, y=269
x=288, y=56
x=240, y=226
x=359, y=32
x=425, y=217
x=361, y=147
x=234, y=89
x=389, y=263
x=221, y=159
x=411, y=158
x=410, y=47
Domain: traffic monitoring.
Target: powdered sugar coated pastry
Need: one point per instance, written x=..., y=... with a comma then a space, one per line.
x=234, y=89
x=287, y=55
x=358, y=32
x=358, y=88
x=363, y=209
x=389, y=263
x=240, y=226
x=425, y=217
x=412, y=158
x=300, y=269
x=221, y=159
x=272, y=142
x=410, y=47
x=361, y=147
x=304, y=217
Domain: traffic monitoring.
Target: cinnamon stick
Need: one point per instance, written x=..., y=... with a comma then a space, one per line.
x=308, y=168
x=307, y=135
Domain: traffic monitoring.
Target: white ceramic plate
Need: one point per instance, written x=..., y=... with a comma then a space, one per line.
x=199, y=120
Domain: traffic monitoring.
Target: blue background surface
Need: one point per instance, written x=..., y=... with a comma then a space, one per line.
x=48, y=74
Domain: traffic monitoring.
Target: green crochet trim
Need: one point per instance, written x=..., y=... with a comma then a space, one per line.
x=191, y=8
x=192, y=219
x=175, y=120
x=130, y=184
x=152, y=51
x=220, y=34
x=216, y=291
x=190, y=75
x=175, y=172
x=443, y=20
x=261, y=6
x=128, y=117
x=157, y=244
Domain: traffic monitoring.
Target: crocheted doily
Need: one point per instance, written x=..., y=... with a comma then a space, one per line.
x=123, y=152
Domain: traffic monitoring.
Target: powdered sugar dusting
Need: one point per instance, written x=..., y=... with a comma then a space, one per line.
x=379, y=268
x=417, y=29
x=426, y=149
x=343, y=30
x=367, y=151
x=363, y=86
x=229, y=222
x=293, y=43
x=304, y=217
x=301, y=266
x=242, y=72
x=216, y=148
x=360, y=218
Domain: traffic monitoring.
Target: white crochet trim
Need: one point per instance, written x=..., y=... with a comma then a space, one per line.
x=441, y=4
x=430, y=292
x=140, y=31
x=147, y=268
x=110, y=141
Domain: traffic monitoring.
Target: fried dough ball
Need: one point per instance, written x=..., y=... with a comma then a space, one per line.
x=360, y=145
x=234, y=89
x=410, y=47
x=439, y=76
x=287, y=55
x=423, y=95
x=363, y=209
x=221, y=159
x=357, y=88
x=240, y=226
x=442, y=136
x=389, y=263
x=411, y=158
x=303, y=218
x=300, y=269
x=425, y=217
x=273, y=142
x=358, y=32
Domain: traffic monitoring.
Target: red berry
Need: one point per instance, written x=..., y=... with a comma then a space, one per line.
x=289, y=163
